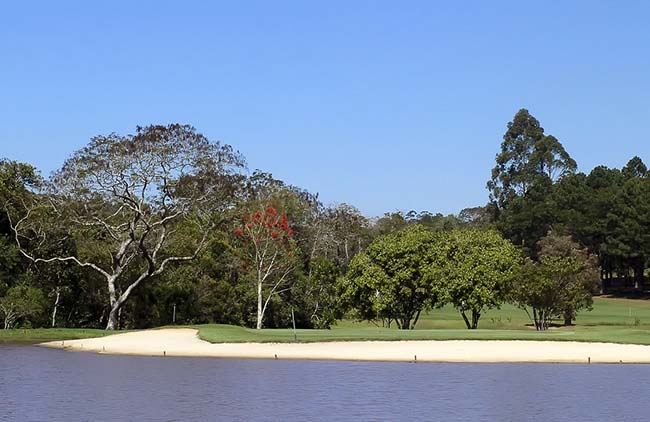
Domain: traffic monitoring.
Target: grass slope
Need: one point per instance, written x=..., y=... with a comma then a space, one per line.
x=40, y=335
x=612, y=320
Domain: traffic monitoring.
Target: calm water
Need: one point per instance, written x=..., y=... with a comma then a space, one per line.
x=40, y=384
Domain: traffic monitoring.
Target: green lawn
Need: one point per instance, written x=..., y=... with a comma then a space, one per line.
x=612, y=320
x=40, y=335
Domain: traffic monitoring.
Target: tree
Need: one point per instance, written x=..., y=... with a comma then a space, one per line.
x=635, y=168
x=628, y=227
x=477, y=217
x=578, y=294
x=124, y=197
x=528, y=218
x=17, y=181
x=346, y=230
x=539, y=286
x=472, y=269
x=315, y=295
x=389, y=280
x=558, y=285
x=390, y=222
x=20, y=302
x=436, y=222
x=527, y=154
x=529, y=164
x=270, y=250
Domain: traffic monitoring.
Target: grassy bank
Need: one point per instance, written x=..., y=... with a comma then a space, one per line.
x=612, y=320
x=40, y=335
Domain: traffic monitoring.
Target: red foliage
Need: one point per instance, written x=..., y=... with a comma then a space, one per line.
x=259, y=225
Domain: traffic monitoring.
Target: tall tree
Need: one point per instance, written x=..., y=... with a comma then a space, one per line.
x=527, y=154
x=124, y=196
x=529, y=163
x=628, y=227
x=268, y=245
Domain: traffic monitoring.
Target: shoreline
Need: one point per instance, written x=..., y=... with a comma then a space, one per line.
x=184, y=342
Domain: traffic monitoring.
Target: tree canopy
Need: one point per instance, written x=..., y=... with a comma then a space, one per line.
x=472, y=269
x=389, y=282
x=101, y=240
x=128, y=196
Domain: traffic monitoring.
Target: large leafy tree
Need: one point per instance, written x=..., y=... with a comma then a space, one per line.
x=389, y=279
x=123, y=198
x=472, y=269
x=539, y=286
x=578, y=294
x=559, y=284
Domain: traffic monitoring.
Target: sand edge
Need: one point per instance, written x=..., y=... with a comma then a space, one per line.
x=186, y=343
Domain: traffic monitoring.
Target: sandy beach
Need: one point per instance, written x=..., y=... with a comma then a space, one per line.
x=185, y=342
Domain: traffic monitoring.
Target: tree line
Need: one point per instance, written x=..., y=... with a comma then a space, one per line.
x=164, y=226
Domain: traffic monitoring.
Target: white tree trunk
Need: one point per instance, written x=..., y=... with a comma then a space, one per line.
x=260, y=313
x=113, y=317
x=56, y=305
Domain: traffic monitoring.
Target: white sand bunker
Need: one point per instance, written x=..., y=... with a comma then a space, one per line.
x=185, y=342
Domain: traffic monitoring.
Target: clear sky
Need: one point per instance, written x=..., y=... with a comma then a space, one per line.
x=385, y=105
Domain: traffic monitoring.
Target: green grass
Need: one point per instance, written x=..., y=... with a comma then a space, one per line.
x=612, y=320
x=40, y=335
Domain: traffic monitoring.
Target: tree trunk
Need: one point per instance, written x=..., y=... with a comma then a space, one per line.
x=541, y=323
x=417, y=317
x=10, y=317
x=259, y=306
x=638, y=268
x=114, y=314
x=568, y=318
x=405, y=324
x=56, y=305
x=467, y=323
x=475, y=317
x=112, y=319
x=536, y=320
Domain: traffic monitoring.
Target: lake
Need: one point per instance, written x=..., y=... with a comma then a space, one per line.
x=38, y=384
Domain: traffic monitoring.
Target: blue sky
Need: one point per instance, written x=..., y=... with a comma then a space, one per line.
x=384, y=105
